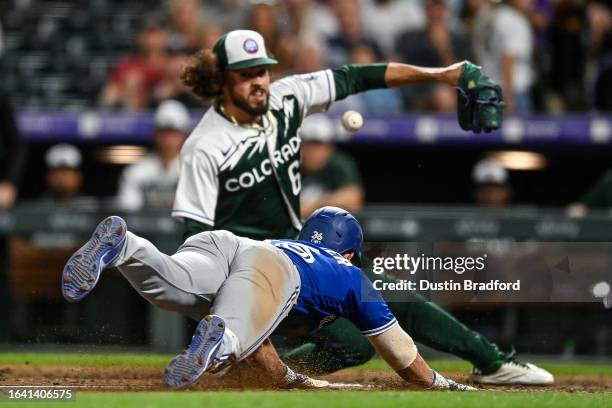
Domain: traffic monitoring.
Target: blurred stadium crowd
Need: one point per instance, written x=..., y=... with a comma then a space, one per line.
x=550, y=55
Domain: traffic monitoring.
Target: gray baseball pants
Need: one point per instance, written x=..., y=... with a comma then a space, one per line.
x=251, y=284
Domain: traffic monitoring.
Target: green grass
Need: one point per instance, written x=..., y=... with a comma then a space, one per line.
x=332, y=399
x=89, y=359
x=160, y=360
x=249, y=399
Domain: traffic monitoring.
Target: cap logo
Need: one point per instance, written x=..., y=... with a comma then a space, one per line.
x=250, y=46
x=317, y=237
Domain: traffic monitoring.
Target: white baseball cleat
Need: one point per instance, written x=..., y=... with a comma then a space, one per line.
x=515, y=373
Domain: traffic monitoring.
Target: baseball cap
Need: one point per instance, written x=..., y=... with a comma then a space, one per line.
x=489, y=171
x=240, y=49
x=63, y=155
x=172, y=115
x=317, y=128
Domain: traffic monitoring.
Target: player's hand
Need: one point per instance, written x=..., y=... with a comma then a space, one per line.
x=444, y=384
x=304, y=382
x=295, y=380
x=301, y=381
x=480, y=101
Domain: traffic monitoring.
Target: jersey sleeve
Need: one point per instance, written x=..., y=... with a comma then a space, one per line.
x=514, y=36
x=314, y=92
x=370, y=314
x=352, y=79
x=197, y=189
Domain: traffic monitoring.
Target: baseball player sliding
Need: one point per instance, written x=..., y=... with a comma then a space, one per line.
x=241, y=289
x=240, y=171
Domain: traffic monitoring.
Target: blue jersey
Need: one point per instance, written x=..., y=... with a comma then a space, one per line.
x=332, y=287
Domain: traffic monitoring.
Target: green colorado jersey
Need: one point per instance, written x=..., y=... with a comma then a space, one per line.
x=227, y=180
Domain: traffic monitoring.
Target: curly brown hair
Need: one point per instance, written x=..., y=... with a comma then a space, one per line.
x=203, y=76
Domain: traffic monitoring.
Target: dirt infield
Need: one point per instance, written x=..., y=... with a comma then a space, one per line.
x=115, y=379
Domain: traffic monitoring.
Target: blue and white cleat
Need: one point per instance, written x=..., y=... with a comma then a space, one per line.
x=188, y=367
x=83, y=269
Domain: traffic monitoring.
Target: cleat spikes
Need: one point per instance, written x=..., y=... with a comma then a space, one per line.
x=83, y=269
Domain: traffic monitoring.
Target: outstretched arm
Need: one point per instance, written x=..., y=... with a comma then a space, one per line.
x=403, y=74
x=479, y=100
x=396, y=347
x=351, y=79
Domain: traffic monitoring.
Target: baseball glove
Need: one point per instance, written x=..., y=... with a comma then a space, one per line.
x=480, y=102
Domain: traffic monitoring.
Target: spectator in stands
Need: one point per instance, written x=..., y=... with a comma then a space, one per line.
x=12, y=154
x=231, y=14
x=132, y=82
x=539, y=16
x=432, y=46
x=381, y=102
x=264, y=18
x=491, y=188
x=311, y=57
x=435, y=44
x=308, y=20
x=187, y=24
x=151, y=183
x=566, y=36
x=171, y=86
x=350, y=35
x=470, y=10
x=504, y=43
x=329, y=176
x=211, y=35
x=63, y=194
x=384, y=20
x=600, y=52
x=65, y=179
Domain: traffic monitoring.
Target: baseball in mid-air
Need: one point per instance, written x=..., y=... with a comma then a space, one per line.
x=352, y=121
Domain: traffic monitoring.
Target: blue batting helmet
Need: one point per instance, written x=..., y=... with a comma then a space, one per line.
x=333, y=228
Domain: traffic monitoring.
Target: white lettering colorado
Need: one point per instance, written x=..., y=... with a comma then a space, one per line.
x=258, y=174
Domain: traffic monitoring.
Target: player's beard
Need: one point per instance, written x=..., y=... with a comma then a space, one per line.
x=257, y=110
